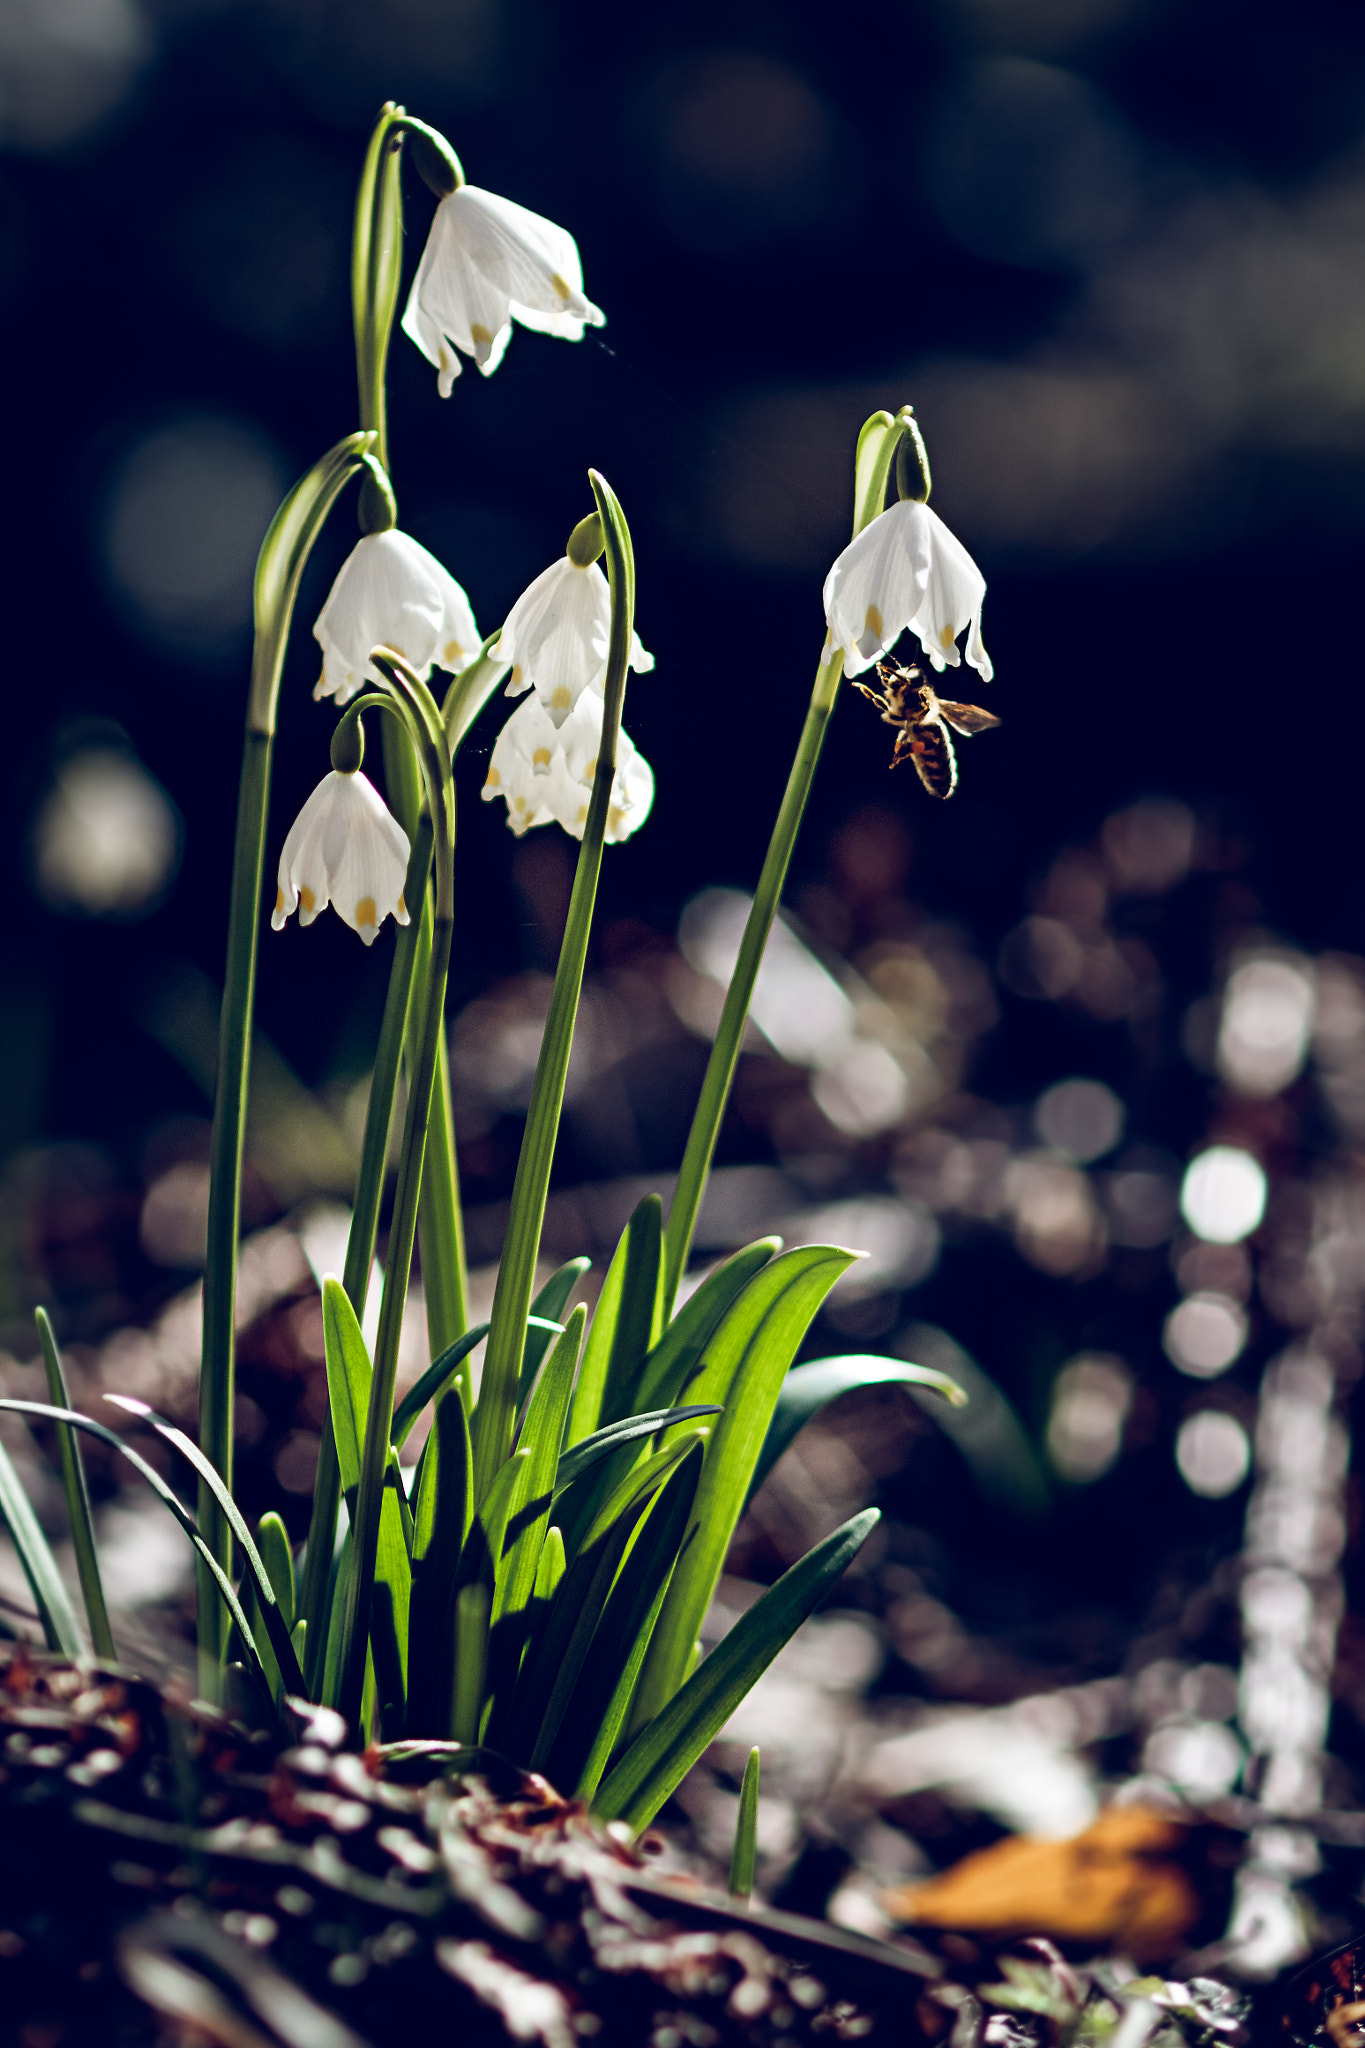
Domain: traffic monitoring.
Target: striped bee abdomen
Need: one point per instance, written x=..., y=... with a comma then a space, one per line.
x=930, y=747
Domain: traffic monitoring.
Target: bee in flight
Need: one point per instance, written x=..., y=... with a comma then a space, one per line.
x=922, y=719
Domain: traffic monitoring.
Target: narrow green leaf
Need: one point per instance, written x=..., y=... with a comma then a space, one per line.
x=348, y=1380
x=548, y=1307
x=77, y=1497
x=744, y=1855
x=539, y=1331
x=743, y=1367
x=625, y=1323
x=440, y=1526
x=390, y=1611
x=542, y=1432
x=674, y=1359
x=471, y=1650
x=428, y=1387
x=550, y=1569
x=270, y=1613
x=809, y=1388
x=169, y=1500
x=349, y=1376
x=554, y=1658
x=61, y=1630
x=573, y=1623
x=272, y=1540
x=603, y=1442
x=661, y=1756
x=988, y=1432
x=597, y=1712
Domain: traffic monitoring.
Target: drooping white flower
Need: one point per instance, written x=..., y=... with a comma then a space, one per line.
x=545, y=772
x=344, y=848
x=556, y=637
x=486, y=263
x=391, y=593
x=905, y=569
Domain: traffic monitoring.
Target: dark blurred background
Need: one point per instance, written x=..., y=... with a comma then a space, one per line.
x=1114, y=253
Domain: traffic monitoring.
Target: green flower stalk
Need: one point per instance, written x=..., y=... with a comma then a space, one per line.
x=427, y=734
x=877, y=446
x=494, y=1417
x=279, y=569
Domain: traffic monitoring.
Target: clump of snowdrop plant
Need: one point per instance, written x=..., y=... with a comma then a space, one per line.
x=538, y=1581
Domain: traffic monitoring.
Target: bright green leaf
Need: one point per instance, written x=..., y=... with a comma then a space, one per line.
x=661, y=1756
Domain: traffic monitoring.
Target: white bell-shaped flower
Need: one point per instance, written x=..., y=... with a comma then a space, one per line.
x=545, y=773
x=556, y=637
x=391, y=593
x=905, y=569
x=486, y=263
x=344, y=848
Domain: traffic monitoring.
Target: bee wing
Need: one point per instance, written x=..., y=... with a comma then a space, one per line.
x=967, y=718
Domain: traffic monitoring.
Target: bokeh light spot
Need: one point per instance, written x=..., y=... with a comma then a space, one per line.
x=1213, y=1453
x=1223, y=1194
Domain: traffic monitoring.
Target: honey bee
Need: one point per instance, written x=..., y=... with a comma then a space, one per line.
x=922, y=719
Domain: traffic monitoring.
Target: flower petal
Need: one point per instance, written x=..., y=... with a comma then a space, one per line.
x=877, y=584
x=485, y=261
x=345, y=848
x=556, y=635
x=952, y=600
x=390, y=592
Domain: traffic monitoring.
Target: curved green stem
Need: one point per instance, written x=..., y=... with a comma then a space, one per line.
x=360, y=1244
x=878, y=442
x=279, y=568
x=495, y=1414
x=720, y=1068
x=427, y=733
x=376, y=268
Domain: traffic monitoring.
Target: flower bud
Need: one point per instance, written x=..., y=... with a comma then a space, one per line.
x=433, y=158
x=586, y=542
x=348, y=745
x=913, y=481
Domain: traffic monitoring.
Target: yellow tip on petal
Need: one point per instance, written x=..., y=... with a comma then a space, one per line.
x=946, y=636
x=279, y=899
x=364, y=911
x=562, y=286
x=400, y=908
x=561, y=700
x=873, y=622
x=452, y=654
x=307, y=899
x=515, y=676
x=541, y=757
x=478, y=333
x=615, y=817
x=494, y=780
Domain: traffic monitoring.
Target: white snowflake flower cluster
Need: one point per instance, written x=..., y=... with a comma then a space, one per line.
x=545, y=760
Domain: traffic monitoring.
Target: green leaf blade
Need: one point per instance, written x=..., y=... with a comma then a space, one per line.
x=77, y=1492
x=661, y=1756
x=807, y=1389
x=743, y=1368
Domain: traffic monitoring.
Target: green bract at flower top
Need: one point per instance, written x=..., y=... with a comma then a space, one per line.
x=488, y=262
x=390, y=592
